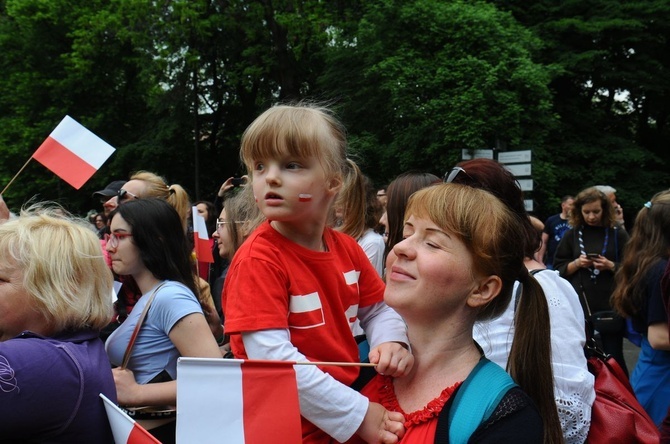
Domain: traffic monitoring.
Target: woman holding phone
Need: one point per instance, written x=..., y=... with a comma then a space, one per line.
x=588, y=256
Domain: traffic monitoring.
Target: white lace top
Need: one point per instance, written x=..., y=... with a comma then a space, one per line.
x=573, y=384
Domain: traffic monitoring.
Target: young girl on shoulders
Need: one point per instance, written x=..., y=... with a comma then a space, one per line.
x=295, y=287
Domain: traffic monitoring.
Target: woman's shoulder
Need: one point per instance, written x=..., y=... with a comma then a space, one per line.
x=27, y=356
x=515, y=419
x=172, y=293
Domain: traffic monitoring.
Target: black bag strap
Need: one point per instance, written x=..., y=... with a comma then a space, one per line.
x=140, y=321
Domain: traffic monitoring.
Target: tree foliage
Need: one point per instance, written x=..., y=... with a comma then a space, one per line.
x=172, y=85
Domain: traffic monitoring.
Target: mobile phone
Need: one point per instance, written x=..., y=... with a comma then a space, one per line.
x=592, y=255
x=237, y=181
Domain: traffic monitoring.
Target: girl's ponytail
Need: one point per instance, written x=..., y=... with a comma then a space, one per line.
x=530, y=356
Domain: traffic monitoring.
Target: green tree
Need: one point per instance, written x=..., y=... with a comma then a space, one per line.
x=610, y=90
x=422, y=80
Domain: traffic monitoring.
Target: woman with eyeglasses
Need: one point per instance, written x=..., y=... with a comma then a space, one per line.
x=148, y=243
x=143, y=185
x=239, y=217
x=588, y=256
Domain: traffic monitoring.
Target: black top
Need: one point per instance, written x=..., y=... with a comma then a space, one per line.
x=599, y=289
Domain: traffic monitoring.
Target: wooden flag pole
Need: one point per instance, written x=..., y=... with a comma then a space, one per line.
x=16, y=175
x=338, y=364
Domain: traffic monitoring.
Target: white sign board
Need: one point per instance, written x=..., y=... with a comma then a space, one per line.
x=525, y=184
x=476, y=154
x=528, y=203
x=514, y=156
x=522, y=169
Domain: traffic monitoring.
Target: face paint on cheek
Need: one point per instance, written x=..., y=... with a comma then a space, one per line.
x=304, y=197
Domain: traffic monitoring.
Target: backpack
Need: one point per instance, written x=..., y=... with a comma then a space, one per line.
x=474, y=402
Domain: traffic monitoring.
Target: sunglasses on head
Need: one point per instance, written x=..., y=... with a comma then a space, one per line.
x=452, y=174
x=124, y=195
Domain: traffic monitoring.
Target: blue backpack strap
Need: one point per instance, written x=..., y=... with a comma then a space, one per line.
x=476, y=399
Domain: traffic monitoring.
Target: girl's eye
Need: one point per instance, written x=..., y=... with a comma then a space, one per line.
x=258, y=167
x=293, y=166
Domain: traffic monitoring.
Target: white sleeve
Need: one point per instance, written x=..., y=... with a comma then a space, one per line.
x=330, y=405
x=573, y=383
x=381, y=324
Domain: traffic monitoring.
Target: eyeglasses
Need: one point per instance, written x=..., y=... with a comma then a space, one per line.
x=114, y=238
x=122, y=195
x=454, y=172
x=221, y=222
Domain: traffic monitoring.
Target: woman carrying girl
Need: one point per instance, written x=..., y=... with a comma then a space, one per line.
x=638, y=296
x=456, y=265
x=295, y=287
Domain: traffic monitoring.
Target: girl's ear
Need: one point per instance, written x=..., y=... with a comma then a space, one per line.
x=488, y=288
x=334, y=184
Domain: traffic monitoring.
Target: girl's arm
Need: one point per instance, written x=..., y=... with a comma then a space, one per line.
x=658, y=336
x=330, y=405
x=387, y=335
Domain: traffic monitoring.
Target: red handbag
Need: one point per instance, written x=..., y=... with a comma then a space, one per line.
x=616, y=415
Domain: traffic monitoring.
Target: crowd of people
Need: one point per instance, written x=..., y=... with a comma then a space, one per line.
x=469, y=306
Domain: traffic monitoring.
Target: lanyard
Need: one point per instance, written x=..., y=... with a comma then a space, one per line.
x=594, y=271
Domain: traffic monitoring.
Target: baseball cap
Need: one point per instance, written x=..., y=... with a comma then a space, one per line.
x=111, y=189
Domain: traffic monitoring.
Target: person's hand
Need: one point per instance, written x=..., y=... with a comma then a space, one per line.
x=127, y=389
x=392, y=358
x=618, y=211
x=4, y=210
x=583, y=261
x=225, y=186
x=381, y=426
x=602, y=263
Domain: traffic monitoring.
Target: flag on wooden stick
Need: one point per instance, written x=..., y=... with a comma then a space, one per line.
x=237, y=401
x=124, y=428
x=72, y=152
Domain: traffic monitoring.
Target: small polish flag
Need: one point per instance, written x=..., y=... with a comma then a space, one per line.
x=237, y=401
x=203, y=249
x=73, y=152
x=124, y=428
x=305, y=311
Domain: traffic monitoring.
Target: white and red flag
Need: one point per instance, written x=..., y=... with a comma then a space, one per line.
x=237, y=402
x=203, y=248
x=73, y=152
x=124, y=428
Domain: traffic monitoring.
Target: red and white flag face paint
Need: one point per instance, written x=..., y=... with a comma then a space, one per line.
x=124, y=428
x=237, y=402
x=203, y=249
x=73, y=152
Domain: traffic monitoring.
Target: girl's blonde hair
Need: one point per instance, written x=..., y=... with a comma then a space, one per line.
x=175, y=195
x=63, y=267
x=302, y=130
